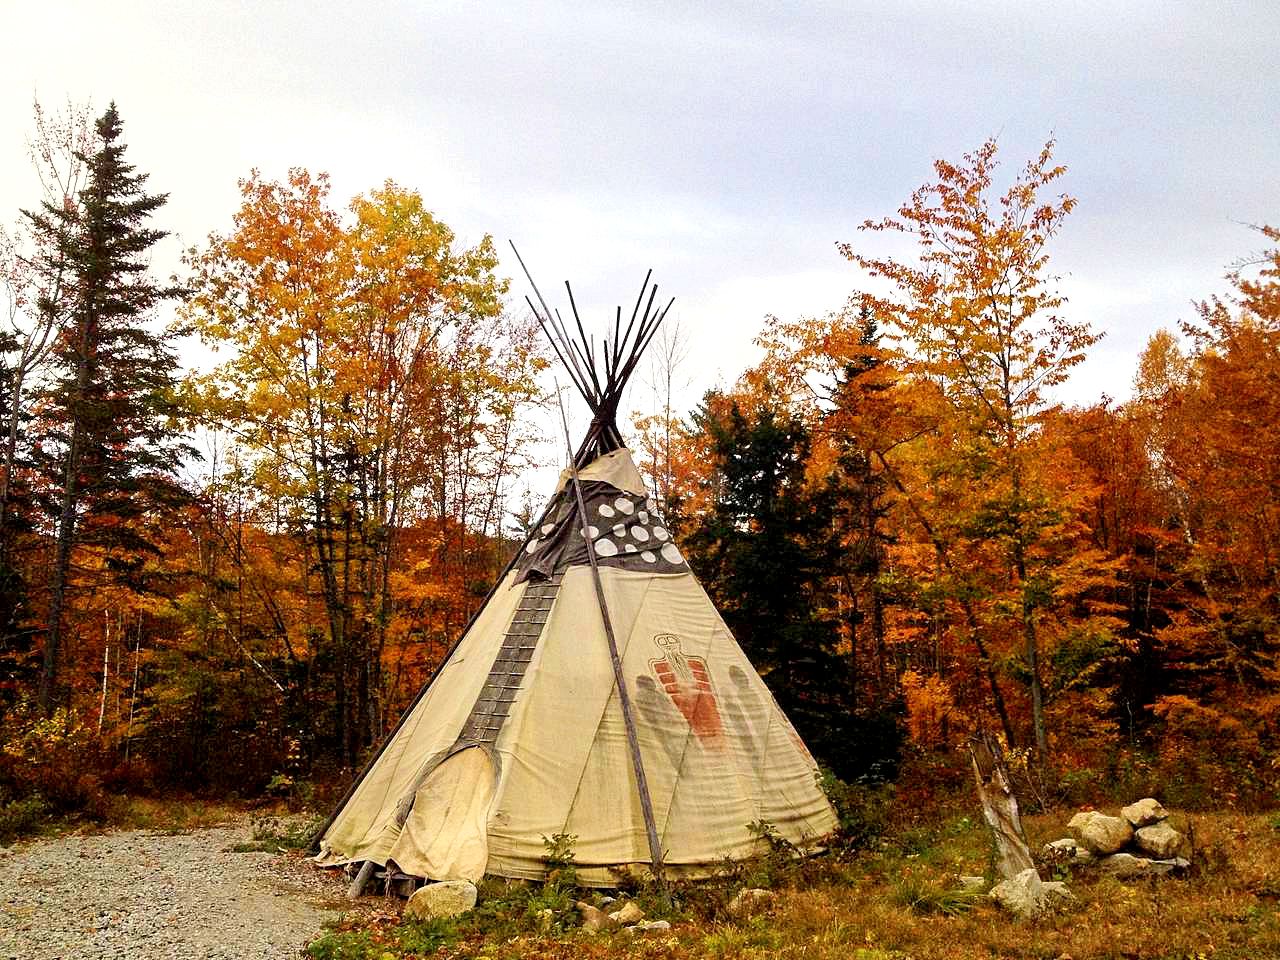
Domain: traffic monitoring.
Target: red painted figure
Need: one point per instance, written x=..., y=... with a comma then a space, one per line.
x=687, y=682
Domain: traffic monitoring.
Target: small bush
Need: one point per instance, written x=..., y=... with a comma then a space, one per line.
x=862, y=808
x=54, y=758
x=21, y=818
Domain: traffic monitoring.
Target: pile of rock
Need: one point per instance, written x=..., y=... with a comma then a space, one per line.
x=1138, y=843
x=627, y=918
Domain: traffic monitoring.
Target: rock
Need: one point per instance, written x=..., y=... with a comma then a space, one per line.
x=1056, y=892
x=973, y=884
x=1067, y=850
x=749, y=901
x=1125, y=866
x=650, y=928
x=629, y=914
x=593, y=919
x=1160, y=840
x=1146, y=811
x=1027, y=897
x=448, y=898
x=1099, y=833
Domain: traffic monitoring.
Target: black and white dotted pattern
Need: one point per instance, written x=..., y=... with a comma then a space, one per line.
x=640, y=532
x=625, y=530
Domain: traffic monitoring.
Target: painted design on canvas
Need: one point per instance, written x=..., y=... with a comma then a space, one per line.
x=687, y=682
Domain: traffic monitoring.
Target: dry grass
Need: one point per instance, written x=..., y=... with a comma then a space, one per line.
x=169, y=815
x=1226, y=909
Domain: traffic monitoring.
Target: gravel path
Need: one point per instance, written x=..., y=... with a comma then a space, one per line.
x=151, y=896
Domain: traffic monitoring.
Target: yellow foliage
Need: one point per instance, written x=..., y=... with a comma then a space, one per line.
x=931, y=708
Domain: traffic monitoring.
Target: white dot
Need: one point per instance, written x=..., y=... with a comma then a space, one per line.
x=671, y=554
x=590, y=533
x=606, y=548
x=606, y=510
x=625, y=505
x=629, y=547
x=533, y=546
x=649, y=556
x=619, y=529
x=643, y=516
x=661, y=533
x=548, y=527
x=640, y=533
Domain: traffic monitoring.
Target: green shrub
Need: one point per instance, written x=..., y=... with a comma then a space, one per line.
x=862, y=808
x=408, y=939
x=344, y=945
x=21, y=818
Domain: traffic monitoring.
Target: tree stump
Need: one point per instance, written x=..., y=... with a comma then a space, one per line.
x=999, y=806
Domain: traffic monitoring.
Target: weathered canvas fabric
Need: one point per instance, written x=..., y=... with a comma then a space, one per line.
x=521, y=735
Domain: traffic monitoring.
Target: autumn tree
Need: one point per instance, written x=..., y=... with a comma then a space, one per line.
x=374, y=385
x=659, y=433
x=977, y=316
x=107, y=440
x=1210, y=421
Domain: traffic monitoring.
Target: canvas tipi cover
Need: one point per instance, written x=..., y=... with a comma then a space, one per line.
x=523, y=735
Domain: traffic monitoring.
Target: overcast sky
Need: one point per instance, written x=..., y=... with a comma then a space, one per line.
x=728, y=146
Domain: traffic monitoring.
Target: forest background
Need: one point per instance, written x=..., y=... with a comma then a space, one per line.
x=909, y=535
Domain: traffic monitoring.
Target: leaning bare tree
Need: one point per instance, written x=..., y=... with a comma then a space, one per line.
x=33, y=281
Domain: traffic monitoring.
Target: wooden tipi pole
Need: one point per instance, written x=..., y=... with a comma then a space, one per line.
x=624, y=698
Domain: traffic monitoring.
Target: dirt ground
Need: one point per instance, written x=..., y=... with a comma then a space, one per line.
x=148, y=895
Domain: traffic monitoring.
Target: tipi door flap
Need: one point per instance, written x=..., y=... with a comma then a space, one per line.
x=446, y=835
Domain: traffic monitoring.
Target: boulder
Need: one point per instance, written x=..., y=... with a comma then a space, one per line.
x=749, y=901
x=650, y=928
x=594, y=919
x=1067, y=850
x=1125, y=866
x=1144, y=812
x=628, y=914
x=1160, y=840
x=1026, y=896
x=1099, y=833
x=448, y=898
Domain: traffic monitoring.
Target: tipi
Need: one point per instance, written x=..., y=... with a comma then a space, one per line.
x=597, y=694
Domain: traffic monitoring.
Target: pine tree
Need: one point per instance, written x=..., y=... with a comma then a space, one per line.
x=770, y=554
x=107, y=447
x=861, y=491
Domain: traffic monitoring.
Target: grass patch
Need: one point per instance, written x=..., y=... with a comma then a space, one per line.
x=278, y=834
x=169, y=815
x=925, y=895
x=378, y=941
x=898, y=901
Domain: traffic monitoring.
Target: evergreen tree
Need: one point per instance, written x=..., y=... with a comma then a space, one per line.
x=107, y=446
x=861, y=494
x=770, y=555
